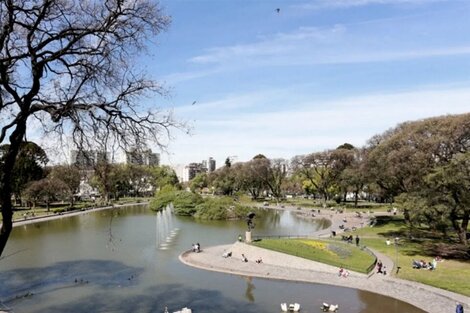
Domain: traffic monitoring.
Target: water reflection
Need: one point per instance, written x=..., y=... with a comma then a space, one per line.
x=249, y=289
x=26, y=282
x=155, y=299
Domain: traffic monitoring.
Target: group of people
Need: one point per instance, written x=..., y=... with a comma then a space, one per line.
x=350, y=239
x=426, y=265
x=244, y=259
x=381, y=269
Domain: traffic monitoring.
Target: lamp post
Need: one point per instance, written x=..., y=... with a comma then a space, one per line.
x=396, y=254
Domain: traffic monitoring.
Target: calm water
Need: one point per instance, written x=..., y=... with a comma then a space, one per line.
x=126, y=260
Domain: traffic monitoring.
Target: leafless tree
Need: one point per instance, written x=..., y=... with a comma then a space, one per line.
x=69, y=64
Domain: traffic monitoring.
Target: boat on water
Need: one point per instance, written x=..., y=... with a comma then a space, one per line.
x=293, y=307
x=329, y=307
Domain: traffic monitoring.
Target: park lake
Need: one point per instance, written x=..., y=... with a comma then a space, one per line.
x=126, y=260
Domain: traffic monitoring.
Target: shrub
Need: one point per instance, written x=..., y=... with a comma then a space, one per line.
x=184, y=202
x=220, y=208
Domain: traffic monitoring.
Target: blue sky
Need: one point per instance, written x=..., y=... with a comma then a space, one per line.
x=311, y=77
x=315, y=75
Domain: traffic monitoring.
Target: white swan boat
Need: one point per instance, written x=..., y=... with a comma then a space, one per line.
x=293, y=307
x=329, y=307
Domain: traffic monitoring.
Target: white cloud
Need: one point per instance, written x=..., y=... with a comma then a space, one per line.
x=277, y=45
x=308, y=126
x=334, y=45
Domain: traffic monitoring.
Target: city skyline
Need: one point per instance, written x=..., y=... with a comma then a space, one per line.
x=249, y=79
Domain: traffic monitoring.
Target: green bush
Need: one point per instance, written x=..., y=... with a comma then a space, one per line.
x=220, y=209
x=184, y=202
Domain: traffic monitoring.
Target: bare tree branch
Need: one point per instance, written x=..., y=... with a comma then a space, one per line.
x=70, y=64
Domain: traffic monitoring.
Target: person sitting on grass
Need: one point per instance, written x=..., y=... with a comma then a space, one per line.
x=432, y=265
x=416, y=264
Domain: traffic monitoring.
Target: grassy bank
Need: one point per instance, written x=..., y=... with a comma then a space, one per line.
x=450, y=275
x=22, y=213
x=329, y=252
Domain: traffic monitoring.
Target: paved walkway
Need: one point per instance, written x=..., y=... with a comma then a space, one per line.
x=281, y=266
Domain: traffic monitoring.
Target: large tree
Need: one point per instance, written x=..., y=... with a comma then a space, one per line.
x=224, y=180
x=46, y=190
x=353, y=176
x=70, y=65
x=320, y=169
x=426, y=163
x=29, y=165
x=70, y=176
x=163, y=176
x=273, y=174
x=250, y=177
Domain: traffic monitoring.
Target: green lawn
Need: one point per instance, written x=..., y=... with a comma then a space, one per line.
x=20, y=213
x=329, y=252
x=450, y=275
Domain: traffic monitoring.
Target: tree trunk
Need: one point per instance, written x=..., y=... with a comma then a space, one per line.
x=356, y=198
x=463, y=228
x=5, y=182
x=7, y=224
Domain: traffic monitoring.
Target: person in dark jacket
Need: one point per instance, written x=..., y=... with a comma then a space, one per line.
x=459, y=308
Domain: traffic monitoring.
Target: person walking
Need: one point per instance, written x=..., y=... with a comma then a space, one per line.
x=357, y=240
x=459, y=308
x=379, y=267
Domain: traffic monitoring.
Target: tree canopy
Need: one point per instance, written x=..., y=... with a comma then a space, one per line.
x=426, y=163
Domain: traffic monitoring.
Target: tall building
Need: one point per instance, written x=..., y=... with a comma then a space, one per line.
x=86, y=159
x=208, y=165
x=145, y=157
x=191, y=170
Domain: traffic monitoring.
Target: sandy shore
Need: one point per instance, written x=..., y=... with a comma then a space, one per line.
x=281, y=266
